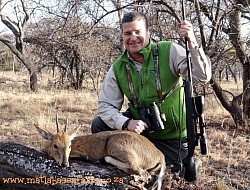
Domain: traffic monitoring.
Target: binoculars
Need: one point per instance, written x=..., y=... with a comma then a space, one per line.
x=153, y=117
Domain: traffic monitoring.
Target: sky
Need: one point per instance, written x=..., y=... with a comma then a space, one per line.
x=2, y=26
x=9, y=9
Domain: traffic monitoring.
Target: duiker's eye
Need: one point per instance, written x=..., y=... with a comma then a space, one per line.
x=55, y=146
x=70, y=147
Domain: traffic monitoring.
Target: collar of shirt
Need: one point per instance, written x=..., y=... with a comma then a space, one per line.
x=136, y=64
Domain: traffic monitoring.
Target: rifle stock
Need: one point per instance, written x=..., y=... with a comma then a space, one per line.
x=190, y=119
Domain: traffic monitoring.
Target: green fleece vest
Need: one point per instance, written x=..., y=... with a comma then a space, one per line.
x=146, y=90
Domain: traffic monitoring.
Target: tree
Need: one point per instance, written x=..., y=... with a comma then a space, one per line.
x=69, y=44
x=230, y=13
x=18, y=28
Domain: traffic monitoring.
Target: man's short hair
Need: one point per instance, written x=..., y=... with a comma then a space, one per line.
x=132, y=16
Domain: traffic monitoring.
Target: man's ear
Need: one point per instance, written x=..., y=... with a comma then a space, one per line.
x=149, y=31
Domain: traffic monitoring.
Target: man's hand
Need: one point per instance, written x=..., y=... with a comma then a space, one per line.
x=186, y=30
x=137, y=126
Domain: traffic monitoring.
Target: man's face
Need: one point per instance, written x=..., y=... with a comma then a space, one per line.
x=135, y=36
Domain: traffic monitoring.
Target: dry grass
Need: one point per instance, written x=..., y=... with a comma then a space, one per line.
x=225, y=167
x=21, y=109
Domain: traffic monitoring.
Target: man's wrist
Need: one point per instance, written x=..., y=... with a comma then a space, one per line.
x=125, y=125
x=193, y=45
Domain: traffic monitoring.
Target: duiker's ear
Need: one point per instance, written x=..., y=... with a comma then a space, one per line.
x=72, y=134
x=43, y=133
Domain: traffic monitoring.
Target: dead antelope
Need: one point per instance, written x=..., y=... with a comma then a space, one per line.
x=128, y=151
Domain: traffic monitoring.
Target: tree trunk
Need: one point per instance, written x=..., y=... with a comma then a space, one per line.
x=25, y=61
x=22, y=167
x=33, y=82
x=232, y=106
x=237, y=41
x=17, y=29
x=246, y=91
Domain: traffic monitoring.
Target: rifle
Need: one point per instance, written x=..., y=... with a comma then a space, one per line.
x=194, y=117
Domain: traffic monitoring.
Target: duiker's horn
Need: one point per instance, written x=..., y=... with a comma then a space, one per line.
x=66, y=124
x=57, y=124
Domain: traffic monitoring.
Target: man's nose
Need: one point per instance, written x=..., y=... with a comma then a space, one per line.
x=133, y=36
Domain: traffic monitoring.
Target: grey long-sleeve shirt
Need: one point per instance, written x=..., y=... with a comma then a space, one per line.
x=111, y=98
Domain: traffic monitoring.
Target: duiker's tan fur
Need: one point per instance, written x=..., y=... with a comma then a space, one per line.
x=128, y=151
x=58, y=145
